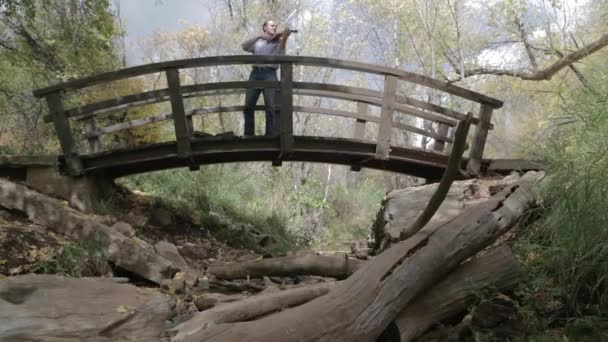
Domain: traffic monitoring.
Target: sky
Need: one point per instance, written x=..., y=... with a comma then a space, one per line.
x=142, y=17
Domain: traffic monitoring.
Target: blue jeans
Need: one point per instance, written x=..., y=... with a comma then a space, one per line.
x=251, y=99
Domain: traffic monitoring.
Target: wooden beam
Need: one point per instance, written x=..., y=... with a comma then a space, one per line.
x=93, y=140
x=362, y=109
x=180, y=122
x=275, y=59
x=286, y=108
x=386, y=118
x=479, y=141
x=442, y=130
x=64, y=133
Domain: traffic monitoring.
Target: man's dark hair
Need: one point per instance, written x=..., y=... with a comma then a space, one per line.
x=266, y=23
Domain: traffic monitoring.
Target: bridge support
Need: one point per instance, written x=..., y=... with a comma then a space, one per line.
x=479, y=141
x=41, y=173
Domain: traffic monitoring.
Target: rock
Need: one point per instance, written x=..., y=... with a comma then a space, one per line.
x=161, y=217
x=53, y=308
x=107, y=219
x=168, y=251
x=135, y=220
x=402, y=207
x=193, y=251
x=127, y=253
x=124, y=228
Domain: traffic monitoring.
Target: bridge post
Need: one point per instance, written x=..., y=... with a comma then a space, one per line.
x=182, y=127
x=386, y=117
x=479, y=141
x=64, y=133
x=286, y=108
x=362, y=109
x=442, y=130
x=94, y=142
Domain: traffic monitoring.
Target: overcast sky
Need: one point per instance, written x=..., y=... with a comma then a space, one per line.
x=143, y=17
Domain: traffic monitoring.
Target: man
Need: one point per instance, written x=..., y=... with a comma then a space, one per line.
x=270, y=43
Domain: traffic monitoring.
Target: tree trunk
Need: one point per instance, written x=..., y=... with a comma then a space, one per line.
x=249, y=308
x=498, y=269
x=320, y=265
x=363, y=305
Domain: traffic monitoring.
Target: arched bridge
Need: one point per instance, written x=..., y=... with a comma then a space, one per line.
x=191, y=149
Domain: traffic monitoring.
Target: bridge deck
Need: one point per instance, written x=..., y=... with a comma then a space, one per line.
x=212, y=150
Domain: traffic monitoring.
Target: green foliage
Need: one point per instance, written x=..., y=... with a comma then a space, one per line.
x=233, y=204
x=44, y=42
x=82, y=259
x=566, y=252
x=351, y=212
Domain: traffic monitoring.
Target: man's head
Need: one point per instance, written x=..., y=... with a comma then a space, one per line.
x=269, y=27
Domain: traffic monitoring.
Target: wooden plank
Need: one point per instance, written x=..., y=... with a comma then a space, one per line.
x=274, y=59
x=425, y=115
x=421, y=131
x=442, y=131
x=358, y=92
x=286, y=108
x=182, y=134
x=94, y=141
x=375, y=101
x=386, y=118
x=64, y=133
x=362, y=109
x=479, y=141
x=156, y=96
x=164, y=117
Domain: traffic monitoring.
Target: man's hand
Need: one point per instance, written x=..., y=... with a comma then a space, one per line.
x=286, y=32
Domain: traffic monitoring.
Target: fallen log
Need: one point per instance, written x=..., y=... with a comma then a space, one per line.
x=452, y=170
x=130, y=254
x=289, y=266
x=362, y=306
x=498, y=269
x=249, y=308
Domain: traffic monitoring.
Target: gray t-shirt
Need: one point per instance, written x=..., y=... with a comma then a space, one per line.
x=264, y=47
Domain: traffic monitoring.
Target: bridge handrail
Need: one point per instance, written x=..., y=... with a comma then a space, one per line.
x=250, y=59
x=404, y=104
x=388, y=100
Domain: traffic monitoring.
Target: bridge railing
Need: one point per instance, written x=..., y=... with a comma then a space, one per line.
x=388, y=100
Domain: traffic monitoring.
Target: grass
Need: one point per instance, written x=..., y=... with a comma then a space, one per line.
x=566, y=252
x=84, y=259
x=231, y=203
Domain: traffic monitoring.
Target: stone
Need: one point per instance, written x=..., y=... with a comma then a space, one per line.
x=83, y=193
x=127, y=253
x=124, y=228
x=54, y=308
x=135, y=220
x=193, y=251
x=168, y=251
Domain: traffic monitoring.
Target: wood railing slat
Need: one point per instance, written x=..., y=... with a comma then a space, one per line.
x=286, y=108
x=182, y=133
x=64, y=133
x=479, y=141
x=386, y=118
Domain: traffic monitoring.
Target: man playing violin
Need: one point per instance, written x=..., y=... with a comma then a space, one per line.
x=269, y=43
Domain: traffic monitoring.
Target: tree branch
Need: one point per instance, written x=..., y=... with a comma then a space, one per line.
x=545, y=74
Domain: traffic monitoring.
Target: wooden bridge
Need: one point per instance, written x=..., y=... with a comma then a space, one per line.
x=191, y=150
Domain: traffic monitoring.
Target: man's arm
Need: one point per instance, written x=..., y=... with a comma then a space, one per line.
x=283, y=43
x=248, y=44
